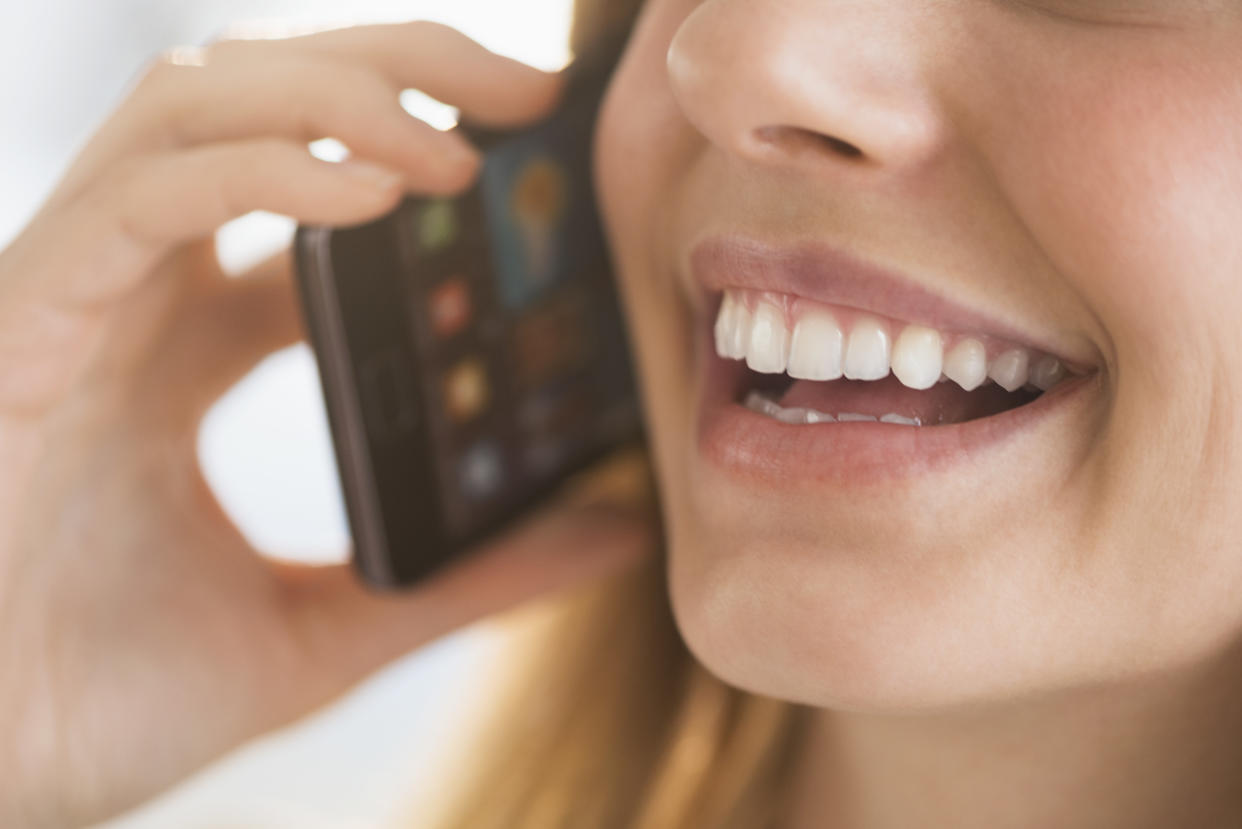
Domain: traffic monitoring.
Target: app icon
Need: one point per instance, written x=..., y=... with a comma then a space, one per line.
x=538, y=200
x=481, y=470
x=465, y=389
x=437, y=225
x=530, y=201
x=450, y=307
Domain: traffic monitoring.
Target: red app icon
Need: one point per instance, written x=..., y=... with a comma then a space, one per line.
x=450, y=307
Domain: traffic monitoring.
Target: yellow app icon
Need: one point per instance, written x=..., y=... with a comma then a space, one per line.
x=466, y=390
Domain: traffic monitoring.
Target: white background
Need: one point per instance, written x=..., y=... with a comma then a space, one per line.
x=64, y=64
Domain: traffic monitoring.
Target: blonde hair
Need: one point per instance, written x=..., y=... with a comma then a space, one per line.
x=610, y=721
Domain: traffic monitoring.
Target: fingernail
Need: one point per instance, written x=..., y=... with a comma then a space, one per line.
x=372, y=174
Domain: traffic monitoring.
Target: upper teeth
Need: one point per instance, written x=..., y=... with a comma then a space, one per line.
x=756, y=328
x=918, y=357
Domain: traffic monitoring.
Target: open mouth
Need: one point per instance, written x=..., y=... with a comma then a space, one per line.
x=821, y=368
x=803, y=363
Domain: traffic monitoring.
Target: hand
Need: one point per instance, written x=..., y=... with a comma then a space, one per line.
x=140, y=636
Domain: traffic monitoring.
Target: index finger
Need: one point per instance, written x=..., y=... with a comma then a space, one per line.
x=489, y=89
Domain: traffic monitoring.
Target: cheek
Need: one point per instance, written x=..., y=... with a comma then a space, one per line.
x=1129, y=175
x=1146, y=197
x=641, y=139
x=643, y=146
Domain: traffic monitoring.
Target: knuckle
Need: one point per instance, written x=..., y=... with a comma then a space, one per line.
x=166, y=69
x=222, y=47
x=163, y=87
x=431, y=30
x=152, y=77
x=231, y=47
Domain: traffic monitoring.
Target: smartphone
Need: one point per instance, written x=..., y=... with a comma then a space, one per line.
x=471, y=350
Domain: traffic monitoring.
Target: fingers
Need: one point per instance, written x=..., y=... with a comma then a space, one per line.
x=342, y=83
x=198, y=145
x=141, y=210
x=488, y=88
x=249, y=92
x=350, y=630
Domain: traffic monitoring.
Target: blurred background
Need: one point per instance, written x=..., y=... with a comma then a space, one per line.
x=369, y=760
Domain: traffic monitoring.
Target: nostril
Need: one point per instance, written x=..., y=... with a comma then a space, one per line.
x=791, y=140
x=841, y=147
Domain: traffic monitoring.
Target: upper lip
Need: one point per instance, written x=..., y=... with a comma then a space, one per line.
x=821, y=273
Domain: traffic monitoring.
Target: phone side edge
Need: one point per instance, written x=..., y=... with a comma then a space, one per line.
x=317, y=287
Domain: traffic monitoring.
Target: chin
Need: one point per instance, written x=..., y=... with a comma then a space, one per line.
x=862, y=624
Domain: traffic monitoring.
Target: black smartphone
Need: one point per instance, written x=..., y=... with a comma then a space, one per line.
x=471, y=350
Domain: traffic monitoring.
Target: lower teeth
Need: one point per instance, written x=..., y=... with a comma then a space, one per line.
x=756, y=402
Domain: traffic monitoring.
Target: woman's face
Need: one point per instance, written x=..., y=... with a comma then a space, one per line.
x=1050, y=179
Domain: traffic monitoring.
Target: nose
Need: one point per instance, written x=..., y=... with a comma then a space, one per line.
x=807, y=83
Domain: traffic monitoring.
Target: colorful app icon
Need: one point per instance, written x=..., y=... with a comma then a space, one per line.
x=538, y=200
x=450, y=307
x=466, y=390
x=481, y=470
x=530, y=200
x=437, y=225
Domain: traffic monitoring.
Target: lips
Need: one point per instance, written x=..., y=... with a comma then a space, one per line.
x=828, y=276
x=864, y=421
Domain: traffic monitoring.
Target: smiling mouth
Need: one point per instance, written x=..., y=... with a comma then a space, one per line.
x=821, y=368
x=811, y=363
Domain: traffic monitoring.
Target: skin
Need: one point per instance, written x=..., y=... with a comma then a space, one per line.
x=140, y=635
x=1045, y=633
x=1042, y=636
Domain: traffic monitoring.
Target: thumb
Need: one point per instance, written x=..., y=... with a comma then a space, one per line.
x=348, y=630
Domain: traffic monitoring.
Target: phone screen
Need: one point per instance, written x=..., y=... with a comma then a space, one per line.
x=510, y=296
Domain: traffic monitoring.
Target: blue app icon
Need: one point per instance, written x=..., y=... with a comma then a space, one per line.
x=529, y=197
x=481, y=470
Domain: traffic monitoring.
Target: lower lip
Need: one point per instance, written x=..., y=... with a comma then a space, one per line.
x=746, y=444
